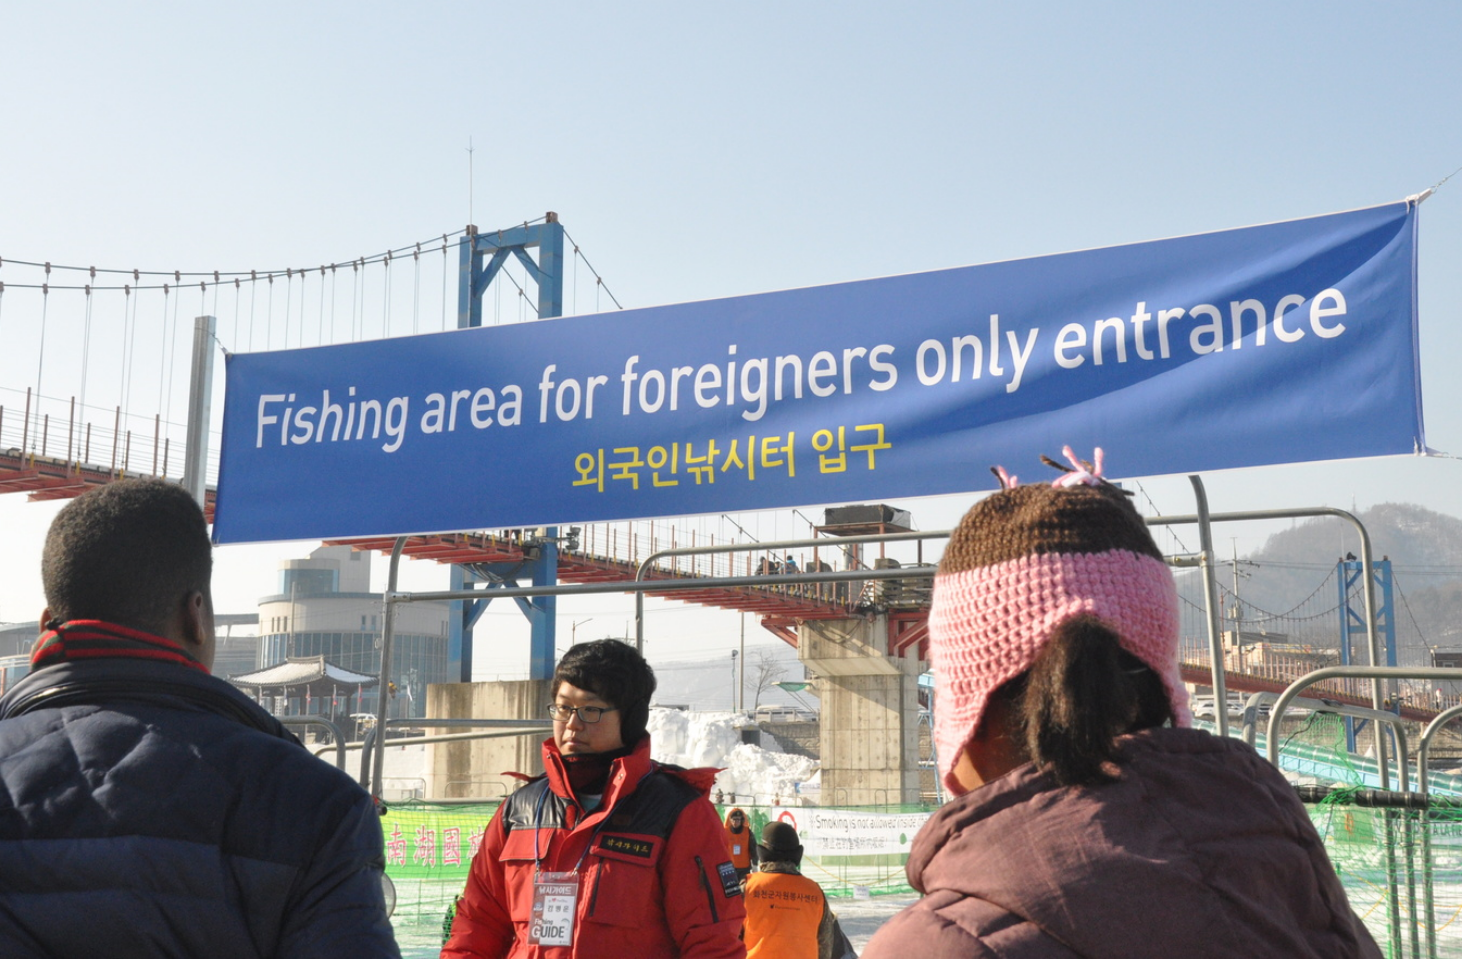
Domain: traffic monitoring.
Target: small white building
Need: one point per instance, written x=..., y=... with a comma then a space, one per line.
x=325, y=608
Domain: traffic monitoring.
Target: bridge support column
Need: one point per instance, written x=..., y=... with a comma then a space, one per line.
x=474, y=767
x=870, y=711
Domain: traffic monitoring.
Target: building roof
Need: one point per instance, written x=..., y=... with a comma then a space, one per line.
x=302, y=670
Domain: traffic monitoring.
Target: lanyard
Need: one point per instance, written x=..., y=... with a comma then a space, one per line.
x=538, y=825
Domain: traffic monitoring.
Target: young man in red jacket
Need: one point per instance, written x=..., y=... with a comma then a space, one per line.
x=608, y=853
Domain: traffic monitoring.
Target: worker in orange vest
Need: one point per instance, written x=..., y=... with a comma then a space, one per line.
x=787, y=916
x=740, y=843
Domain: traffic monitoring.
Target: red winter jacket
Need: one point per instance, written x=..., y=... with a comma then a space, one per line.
x=655, y=880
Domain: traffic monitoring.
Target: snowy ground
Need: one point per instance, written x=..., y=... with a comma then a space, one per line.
x=860, y=918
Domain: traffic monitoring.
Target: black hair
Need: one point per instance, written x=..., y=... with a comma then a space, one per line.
x=130, y=553
x=614, y=672
x=1081, y=693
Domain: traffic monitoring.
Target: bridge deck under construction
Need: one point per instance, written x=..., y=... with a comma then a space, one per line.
x=48, y=478
x=794, y=601
x=780, y=608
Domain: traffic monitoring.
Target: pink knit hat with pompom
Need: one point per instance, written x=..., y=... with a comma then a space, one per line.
x=1022, y=562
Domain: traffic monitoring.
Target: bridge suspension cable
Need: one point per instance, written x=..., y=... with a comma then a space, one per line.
x=131, y=339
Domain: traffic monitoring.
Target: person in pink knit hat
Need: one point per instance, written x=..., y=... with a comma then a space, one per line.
x=1088, y=820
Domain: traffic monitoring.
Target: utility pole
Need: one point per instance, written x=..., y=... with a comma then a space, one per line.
x=1238, y=610
x=289, y=632
x=735, y=693
x=293, y=599
x=741, y=680
x=200, y=397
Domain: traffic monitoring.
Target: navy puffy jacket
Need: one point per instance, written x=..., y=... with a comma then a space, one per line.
x=151, y=810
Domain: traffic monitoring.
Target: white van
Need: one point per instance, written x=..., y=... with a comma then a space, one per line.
x=784, y=714
x=1203, y=708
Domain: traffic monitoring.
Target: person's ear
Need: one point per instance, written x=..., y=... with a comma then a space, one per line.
x=45, y=618
x=196, y=627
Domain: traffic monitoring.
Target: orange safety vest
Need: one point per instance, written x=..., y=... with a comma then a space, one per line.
x=783, y=912
x=738, y=844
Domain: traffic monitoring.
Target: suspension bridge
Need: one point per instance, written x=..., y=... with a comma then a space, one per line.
x=93, y=388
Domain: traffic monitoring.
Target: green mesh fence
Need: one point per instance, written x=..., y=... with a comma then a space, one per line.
x=1401, y=868
x=429, y=847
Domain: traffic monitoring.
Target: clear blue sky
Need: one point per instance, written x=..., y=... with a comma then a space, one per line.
x=697, y=151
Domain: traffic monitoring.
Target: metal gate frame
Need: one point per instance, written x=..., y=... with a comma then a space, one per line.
x=392, y=595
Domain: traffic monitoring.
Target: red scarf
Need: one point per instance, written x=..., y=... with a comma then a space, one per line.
x=83, y=639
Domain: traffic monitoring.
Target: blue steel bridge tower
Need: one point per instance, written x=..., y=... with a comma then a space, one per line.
x=482, y=256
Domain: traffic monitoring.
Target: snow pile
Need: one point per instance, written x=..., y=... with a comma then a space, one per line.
x=750, y=774
x=692, y=739
x=811, y=790
x=757, y=776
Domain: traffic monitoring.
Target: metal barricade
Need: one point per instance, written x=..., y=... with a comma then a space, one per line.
x=1378, y=673
x=504, y=727
x=335, y=733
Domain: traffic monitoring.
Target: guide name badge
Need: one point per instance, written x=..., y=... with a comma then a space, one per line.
x=555, y=895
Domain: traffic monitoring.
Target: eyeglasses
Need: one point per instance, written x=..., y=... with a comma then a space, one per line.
x=586, y=714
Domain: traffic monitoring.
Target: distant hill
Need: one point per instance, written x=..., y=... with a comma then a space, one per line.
x=702, y=684
x=1294, y=573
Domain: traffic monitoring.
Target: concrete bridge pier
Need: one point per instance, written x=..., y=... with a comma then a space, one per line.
x=475, y=767
x=870, y=711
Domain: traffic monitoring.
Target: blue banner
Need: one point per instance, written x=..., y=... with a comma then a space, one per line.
x=1280, y=343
